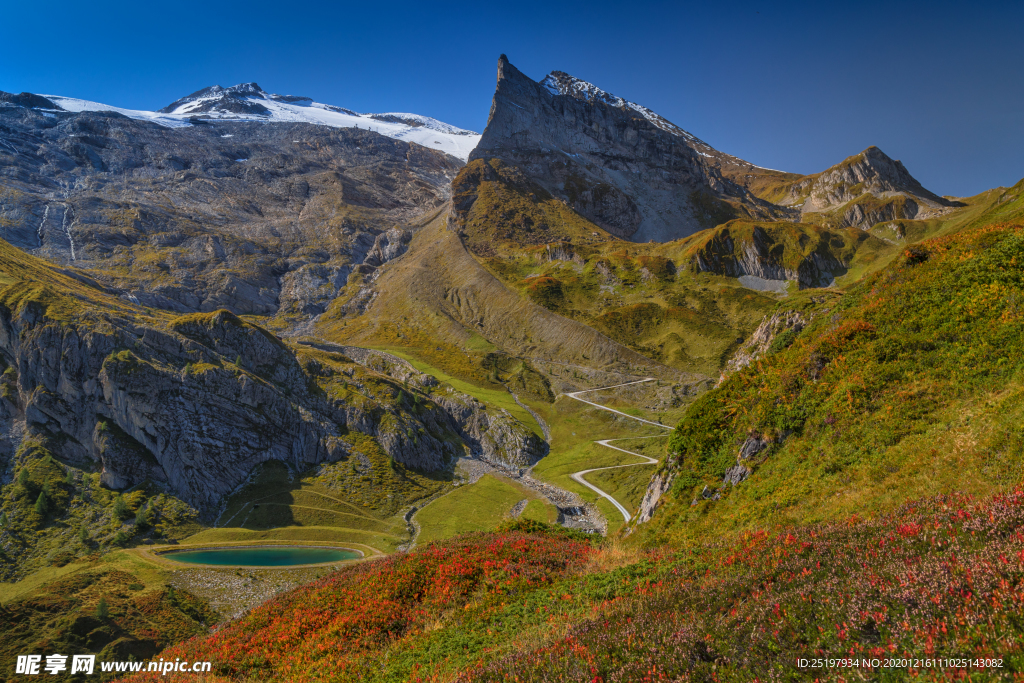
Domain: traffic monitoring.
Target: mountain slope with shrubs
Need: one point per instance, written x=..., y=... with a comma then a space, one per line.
x=908, y=385
x=937, y=578
x=871, y=509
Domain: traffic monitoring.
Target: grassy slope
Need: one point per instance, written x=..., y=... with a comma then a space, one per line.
x=55, y=610
x=485, y=390
x=912, y=385
x=479, y=506
x=442, y=307
x=539, y=511
x=328, y=504
x=643, y=296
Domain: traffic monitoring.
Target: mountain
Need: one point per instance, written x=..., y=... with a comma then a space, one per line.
x=249, y=102
x=640, y=177
x=616, y=163
x=861, y=191
x=240, y=215
x=251, y=318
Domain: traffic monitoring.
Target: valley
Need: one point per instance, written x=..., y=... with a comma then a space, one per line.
x=578, y=369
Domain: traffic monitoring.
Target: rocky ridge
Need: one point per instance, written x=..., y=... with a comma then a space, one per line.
x=493, y=435
x=170, y=405
x=195, y=402
x=863, y=190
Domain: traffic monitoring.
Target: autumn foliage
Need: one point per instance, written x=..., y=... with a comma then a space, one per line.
x=334, y=628
x=939, y=578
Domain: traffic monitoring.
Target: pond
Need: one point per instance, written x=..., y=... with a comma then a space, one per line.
x=263, y=556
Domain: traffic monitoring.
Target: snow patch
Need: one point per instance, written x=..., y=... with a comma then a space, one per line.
x=422, y=130
x=559, y=83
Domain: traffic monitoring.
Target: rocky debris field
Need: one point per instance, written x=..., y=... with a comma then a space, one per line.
x=233, y=592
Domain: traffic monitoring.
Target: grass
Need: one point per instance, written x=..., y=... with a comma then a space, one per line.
x=55, y=610
x=489, y=394
x=540, y=511
x=326, y=504
x=911, y=386
x=33, y=282
x=10, y=591
x=479, y=506
x=382, y=542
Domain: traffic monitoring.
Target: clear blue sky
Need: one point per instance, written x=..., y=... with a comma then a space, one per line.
x=794, y=86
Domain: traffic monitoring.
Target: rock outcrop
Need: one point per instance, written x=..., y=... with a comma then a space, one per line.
x=27, y=99
x=196, y=402
x=660, y=484
x=761, y=256
x=493, y=435
x=761, y=340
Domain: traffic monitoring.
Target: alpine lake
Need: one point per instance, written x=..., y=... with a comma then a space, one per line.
x=262, y=556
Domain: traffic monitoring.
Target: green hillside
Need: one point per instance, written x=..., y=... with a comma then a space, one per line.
x=910, y=385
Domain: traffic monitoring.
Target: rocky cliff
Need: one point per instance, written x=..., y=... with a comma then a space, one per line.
x=195, y=402
x=254, y=218
x=492, y=434
x=774, y=253
x=616, y=163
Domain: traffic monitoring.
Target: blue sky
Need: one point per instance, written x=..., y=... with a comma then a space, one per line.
x=794, y=86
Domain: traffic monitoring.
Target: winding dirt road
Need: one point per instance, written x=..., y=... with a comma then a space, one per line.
x=578, y=476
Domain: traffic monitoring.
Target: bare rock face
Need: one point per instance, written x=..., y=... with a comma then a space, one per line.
x=252, y=217
x=125, y=461
x=618, y=164
x=194, y=404
x=27, y=99
x=388, y=246
x=660, y=484
x=761, y=257
x=492, y=435
x=761, y=340
x=866, y=214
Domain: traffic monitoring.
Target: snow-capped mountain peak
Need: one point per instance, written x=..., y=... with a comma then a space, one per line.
x=561, y=83
x=208, y=98
x=250, y=102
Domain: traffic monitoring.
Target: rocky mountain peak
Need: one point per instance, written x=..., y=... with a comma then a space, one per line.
x=617, y=163
x=246, y=89
x=216, y=98
x=561, y=83
x=870, y=172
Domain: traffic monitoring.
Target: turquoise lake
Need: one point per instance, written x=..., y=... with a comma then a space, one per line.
x=265, y=556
